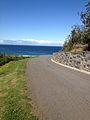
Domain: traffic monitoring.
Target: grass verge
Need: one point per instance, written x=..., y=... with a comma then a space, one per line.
x=14, y=103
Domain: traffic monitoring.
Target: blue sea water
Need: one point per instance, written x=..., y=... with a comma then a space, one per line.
x=29, y=50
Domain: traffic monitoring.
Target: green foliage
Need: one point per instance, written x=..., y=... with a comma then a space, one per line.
x=80, y=35
x=4, y=58
x=85, y=16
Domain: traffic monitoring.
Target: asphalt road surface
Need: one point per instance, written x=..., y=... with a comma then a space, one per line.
x=58, y=92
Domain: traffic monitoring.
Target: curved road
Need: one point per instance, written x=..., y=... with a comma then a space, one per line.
x=58, y=92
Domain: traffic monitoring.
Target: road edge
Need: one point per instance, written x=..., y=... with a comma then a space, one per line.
x=83, y=71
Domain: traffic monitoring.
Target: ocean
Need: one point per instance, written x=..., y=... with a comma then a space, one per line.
x=25, y=50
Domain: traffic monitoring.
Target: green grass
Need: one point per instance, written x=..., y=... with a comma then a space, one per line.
x=14, y=102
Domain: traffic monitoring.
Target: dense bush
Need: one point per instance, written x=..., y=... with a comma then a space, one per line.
x=4, y=58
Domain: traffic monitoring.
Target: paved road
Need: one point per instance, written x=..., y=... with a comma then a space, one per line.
x=58, y=92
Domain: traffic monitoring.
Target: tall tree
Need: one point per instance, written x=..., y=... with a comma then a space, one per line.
x=85, y=17
x=80, y=35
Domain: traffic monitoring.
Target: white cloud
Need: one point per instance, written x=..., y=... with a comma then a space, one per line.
x=31, y=42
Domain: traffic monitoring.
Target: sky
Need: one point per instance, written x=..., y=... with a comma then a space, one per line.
x=38, y=22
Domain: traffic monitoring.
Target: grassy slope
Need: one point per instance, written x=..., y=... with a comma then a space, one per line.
x=14, y=103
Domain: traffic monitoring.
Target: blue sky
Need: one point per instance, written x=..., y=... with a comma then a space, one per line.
x=38, y=22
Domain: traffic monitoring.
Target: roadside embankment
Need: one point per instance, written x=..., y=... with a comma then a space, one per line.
x=79, y=60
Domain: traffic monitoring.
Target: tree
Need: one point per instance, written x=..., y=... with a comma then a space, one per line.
x=80, y=35
x=86, y=20
x=85, y=17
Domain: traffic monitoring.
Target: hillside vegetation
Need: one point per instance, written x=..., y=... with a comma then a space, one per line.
x=79, y=38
